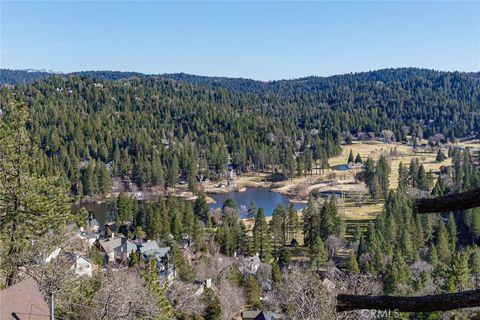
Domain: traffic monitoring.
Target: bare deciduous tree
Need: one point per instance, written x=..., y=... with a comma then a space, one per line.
x=231, y=299
x=333, y=244
x=183, y=297
x=123, y=296
x=359, y=284
x=301, y=295
x=215, y=266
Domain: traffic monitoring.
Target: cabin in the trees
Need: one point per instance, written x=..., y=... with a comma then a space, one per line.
x=82, y=266
x=258, y=315
x=117, y=248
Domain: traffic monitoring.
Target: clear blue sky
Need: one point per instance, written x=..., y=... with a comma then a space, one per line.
x=260, y=40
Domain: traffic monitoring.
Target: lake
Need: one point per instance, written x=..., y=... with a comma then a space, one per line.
x=263, y=197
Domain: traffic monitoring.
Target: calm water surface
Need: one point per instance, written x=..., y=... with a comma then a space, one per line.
x=263, y=197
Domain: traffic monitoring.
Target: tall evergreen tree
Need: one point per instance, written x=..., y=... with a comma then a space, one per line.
x=30, y=205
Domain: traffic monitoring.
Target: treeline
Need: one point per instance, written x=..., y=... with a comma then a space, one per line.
x=157, y=132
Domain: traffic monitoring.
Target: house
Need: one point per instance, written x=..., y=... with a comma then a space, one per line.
x=23, y=301
x=365, y=136
x=82, y=267
x=161, y=255
x=117, y=248
x=250, y=264
x=122, y=253
x=150, y=250
x=107, y=246
x=147, y=246
x=257, y=315
x=362, y=136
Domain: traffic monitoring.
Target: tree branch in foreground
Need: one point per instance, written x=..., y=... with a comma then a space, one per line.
x=451, y=202
x=441, y=302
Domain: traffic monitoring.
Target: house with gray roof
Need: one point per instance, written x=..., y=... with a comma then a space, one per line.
x=147, y=246
x=117, y=248
x=124, y=251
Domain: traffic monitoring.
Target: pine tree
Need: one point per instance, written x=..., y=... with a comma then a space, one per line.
x=474, y=265
x=276, y=273
x=213, y=308
x=95, y=256
x=278, y=228
x=89, y=179
x=30, y=205
x=350, y=157
x=382, y=171
x=173, y=171
x=460, y=271
x=104, y=180
x=440, y=156
x=351, y=264
x=452, y=233
x=261, y=236
x=319, y=256
x=124, y=208
x=292, y=224
x=358, y=159
x=402, y=178
x=442, y=243
x=182, y=268
x=158, y=291
x=423, y=182
x=252, y=292
x=252, y=209
x=201, y=208
x=134, y=259
x=432, y=256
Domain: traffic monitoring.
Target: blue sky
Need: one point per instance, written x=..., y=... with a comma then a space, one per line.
x=259, y=40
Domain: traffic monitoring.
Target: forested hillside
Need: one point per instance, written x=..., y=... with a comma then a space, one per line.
x=156, y=130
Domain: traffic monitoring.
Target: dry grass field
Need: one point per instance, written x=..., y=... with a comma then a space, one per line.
x=344, y=181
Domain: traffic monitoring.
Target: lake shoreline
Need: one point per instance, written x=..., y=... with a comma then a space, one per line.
x=296, y=189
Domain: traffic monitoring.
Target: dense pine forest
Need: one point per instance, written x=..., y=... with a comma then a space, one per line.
x=68, y=136
x=157, y=130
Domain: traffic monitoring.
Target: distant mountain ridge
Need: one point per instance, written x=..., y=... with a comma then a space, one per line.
x=243, y=85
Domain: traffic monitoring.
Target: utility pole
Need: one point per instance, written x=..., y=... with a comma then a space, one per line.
x=52, y=313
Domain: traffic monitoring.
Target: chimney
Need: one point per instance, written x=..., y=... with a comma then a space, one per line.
x=208, y=283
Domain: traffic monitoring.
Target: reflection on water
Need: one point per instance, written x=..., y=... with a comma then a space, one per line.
x=99, y=210
x=263, y=197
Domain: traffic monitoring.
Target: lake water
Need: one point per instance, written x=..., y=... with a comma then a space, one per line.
x=340, y=167
x=263, y=197
x=99, y=210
